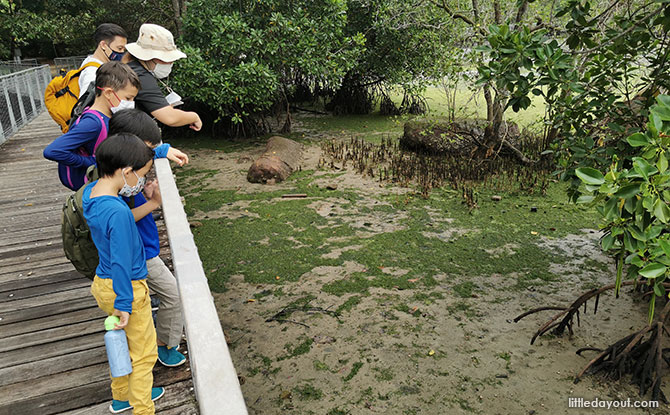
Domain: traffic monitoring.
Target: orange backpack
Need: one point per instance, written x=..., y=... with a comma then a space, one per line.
x=62, y=94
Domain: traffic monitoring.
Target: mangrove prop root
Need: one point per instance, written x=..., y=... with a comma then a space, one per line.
x=639, y=354
x=568, y=313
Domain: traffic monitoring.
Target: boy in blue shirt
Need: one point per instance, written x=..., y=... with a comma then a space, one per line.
x=169, y=320
x=120, y=286
x=116, y=86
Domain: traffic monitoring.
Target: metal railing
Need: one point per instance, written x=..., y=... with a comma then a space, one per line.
x=69, y=62
x=7, y=67
x=21, y=98
x=217, y=388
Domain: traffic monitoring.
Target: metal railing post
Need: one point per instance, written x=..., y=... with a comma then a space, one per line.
x=19, y=100
x=27, y=78
x=12, y=119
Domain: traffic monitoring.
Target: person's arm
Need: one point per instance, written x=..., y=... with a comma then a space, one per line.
x=65, y=149
x=171, y=153
x=121, y=250
x=154, y=201
x=173, y=117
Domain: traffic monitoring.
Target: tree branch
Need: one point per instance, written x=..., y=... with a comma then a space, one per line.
x=625, y=32
x=522, y=10
x=459, y=16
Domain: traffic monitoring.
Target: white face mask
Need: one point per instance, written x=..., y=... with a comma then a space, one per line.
x=129, y=191
x=162, y=70
x=123, y=105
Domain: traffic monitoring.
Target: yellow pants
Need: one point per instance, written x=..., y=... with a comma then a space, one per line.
x=135, y=387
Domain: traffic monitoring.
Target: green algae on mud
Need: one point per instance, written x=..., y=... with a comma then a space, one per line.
x=276, y=240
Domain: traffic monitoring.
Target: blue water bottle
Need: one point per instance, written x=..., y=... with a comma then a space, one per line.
x=117, y=349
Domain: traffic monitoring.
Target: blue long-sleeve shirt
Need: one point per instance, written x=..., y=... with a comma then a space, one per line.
x=119, y=244
x=147, y=225
x=74, y=150
x=147, y=229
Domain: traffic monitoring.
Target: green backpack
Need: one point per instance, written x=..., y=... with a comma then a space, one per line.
x=77, y=242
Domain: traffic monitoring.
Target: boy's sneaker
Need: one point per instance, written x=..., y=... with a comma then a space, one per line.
x=121, y=406
x=170, y=357
x=157, y=393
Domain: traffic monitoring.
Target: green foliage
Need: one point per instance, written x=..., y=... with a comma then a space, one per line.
x=632, y=196
x=523, y=62
x=407, y=43
x=243, y=55
x=65, y=28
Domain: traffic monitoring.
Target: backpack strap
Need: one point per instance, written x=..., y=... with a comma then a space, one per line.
x=103, y=131
x=88, y=65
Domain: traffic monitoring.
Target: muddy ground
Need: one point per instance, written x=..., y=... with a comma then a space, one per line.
x=330, y=317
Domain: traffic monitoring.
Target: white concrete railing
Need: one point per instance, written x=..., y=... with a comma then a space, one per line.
x=217, y=388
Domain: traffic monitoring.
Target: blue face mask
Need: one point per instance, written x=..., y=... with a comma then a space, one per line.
x=115, y=56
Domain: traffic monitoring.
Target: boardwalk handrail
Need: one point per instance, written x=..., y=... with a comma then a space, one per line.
x=21, y=98
x=217, y=388
x=69, y=62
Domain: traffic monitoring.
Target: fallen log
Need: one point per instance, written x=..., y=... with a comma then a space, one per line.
x=281, y=158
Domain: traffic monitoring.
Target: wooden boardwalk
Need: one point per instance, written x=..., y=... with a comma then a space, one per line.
x=52, y=356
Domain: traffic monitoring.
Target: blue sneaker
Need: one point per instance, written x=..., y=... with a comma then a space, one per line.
x=120, y=406
x=157, y=393
x=170, y=357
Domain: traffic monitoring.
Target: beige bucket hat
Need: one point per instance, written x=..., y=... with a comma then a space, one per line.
x=155, y=42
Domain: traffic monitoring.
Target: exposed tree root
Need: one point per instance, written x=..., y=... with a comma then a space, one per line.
x=570, y=312
x=640, y=354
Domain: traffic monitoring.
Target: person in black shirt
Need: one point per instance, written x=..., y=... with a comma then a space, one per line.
x=151, y=57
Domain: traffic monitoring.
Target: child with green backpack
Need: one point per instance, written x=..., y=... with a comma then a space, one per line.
x=81, y=251
x=169, y=321
x=120, y=286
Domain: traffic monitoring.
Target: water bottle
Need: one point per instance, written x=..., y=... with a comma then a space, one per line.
x=117, y=349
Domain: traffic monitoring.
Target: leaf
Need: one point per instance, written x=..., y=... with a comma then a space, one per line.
x=590, y=175
x=635, y=233
x=661, y=211
x=638, y=140
x=665, y=245
x=607, y=242
x=585, y=199
x=611, y=209
x=662, y=163
x=643, y=167
x=662, y=112
x=659, y=290
x=654, y=231
x=628, y=191
x=653, y=270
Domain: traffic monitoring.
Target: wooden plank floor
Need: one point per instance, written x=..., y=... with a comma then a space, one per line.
x=52, y=355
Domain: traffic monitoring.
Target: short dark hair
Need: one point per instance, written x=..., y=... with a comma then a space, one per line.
x=107, y=32
x=115, y=75
x=120, y=151
x=137, y=122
